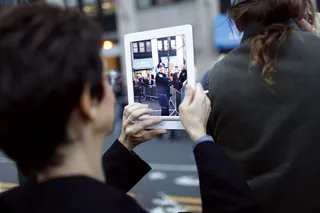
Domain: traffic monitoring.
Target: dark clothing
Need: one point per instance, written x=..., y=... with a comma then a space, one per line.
x=183, y=76
x=146, y=81
x=204, y=80
x=164, y=103
x=123, y=169
x=176, y=82
x=222, y=187
x=141, y=86
x=21, y=178
x=272, y=132
x=163, y=84
x=223, y=190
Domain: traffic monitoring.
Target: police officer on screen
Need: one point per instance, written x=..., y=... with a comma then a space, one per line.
x=163, y=84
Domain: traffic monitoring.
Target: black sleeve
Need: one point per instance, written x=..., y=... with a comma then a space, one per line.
x=21, y=177
x=123, y=169
x=183, y=76
x=222, y=187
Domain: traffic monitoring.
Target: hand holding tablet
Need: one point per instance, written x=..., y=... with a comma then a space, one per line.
x=158, y=63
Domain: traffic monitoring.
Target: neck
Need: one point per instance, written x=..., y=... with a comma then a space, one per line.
x=255, y=28
x=79, y=159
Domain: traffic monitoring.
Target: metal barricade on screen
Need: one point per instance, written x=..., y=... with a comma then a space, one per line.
x=173, y=101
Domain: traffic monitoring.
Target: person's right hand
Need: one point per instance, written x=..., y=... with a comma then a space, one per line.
x=195, y=111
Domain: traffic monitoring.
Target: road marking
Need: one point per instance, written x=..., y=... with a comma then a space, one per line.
x=164, y=205
x=184, y=201
x=187, y=181
x=157, y=175
x=190, y=200
x=174, y=167
x=6, y=186
x=131, y=194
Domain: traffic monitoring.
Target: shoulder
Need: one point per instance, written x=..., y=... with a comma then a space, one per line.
x=103, y=197
x=237, y=61
x=304, y=42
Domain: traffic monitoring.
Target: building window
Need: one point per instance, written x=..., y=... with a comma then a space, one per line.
x=90, y=7
x=148, y=46
x=165, y=45
x=135, y=47
x=144, y=4
x=160, y=46
x=141, y=47
x=108, y=7
x=173, y=44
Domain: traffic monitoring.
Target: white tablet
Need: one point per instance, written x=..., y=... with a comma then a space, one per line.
x=158, y=63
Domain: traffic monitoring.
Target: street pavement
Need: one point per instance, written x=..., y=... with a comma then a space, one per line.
x=154, y=104
x=171, y=187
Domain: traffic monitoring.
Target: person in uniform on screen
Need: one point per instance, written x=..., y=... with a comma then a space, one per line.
x=163, y=84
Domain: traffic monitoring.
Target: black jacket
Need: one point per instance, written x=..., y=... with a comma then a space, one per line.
x=272, y=132
x=223, y=190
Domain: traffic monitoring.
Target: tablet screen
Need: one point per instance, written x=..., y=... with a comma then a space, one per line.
x=159, y=71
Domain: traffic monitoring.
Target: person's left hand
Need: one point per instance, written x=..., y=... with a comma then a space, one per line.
x=134, y=131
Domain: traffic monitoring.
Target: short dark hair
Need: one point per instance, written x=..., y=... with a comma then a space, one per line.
x=47, y=55
x=161, y=65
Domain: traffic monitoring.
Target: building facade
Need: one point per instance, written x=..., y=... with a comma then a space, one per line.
x=104, y=12
x=141, y=15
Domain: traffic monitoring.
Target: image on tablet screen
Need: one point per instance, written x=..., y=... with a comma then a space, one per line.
x=159, y=73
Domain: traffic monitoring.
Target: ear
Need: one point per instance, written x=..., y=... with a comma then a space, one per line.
x=88, y=106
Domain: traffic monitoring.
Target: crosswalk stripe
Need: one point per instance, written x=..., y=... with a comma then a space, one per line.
x=5, y=186
x=8, y=185
x=189, y=200
x=131, y=194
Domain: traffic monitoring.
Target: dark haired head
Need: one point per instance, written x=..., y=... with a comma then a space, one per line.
x=273, y=16
x=48, y=57
x=160, y=65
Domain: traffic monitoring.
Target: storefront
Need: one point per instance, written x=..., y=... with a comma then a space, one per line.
x=143, y=67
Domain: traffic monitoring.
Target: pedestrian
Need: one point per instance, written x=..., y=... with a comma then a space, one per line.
x=141, y=86
x=163, y=85
x=265, y=100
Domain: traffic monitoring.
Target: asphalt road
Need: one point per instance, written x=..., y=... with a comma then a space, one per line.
x=171, y=187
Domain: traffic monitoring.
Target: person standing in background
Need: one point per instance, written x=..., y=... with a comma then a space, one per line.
x=163, y=84
x=265, y=100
